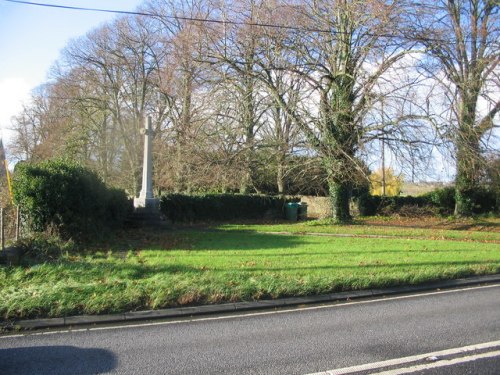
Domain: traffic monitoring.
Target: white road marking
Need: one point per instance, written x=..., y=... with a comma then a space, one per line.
x=455, y=361
x=419, y=357
x=253, y=314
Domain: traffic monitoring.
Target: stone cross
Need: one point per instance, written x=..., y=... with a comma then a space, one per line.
x=146, y=199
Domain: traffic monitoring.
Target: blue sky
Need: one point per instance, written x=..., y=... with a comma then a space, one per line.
x=31, y=38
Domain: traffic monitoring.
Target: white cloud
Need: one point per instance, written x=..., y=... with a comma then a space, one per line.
x=13, y=92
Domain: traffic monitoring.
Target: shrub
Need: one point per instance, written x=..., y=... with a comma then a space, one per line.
x=208, y=207
x=370, y=205
x=393, y=183
x=395, y=205
x=439, y=201
x=41, y=247
x=444, y=199
x=367, y=204
x=482, y=200
x=67, y=199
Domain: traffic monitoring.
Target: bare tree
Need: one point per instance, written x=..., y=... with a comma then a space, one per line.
x=342, y=55
x=181, y=82
x=268, y=87
x=233, y=53
x=120, y=62
x=27, y=127
x=281, y=133
x=462, y=53
x=42, y=126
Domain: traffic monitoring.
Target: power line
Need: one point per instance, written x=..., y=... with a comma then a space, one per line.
x=183, y=18
x=222, y=22
x=73, y=8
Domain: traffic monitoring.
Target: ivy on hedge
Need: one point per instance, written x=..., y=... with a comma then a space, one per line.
x=208, y=207
x=440, y=200
x=67, y=198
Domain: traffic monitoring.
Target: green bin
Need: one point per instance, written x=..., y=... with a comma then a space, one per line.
x=302, y=211
x=291, y=211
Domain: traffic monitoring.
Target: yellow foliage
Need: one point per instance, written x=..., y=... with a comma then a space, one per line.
x=393, y=183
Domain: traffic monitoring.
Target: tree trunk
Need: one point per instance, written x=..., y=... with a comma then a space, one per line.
x=183, y=172
x=248, y=122
x=248, y=163
x=339, y=187
x=468, y=157
x=467, y=178
x=340, y=197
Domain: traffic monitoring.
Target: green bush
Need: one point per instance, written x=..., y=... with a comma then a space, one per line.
x=444, y=199
x=439, y=201
x=216, y=207
x=363, y=199
x=484, y=201
x=370, y=205
x=367, y=204
x=67, y=199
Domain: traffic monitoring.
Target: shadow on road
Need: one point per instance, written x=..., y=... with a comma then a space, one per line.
x=56, y=360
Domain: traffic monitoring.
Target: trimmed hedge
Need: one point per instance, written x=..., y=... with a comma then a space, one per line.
x=439, y=201
x=217, y=207
x=444, y=199
x=370, y=205
x=483, y=200
x=65, y=198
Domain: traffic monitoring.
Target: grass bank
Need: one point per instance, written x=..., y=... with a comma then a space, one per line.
x=480, y=230
x=236, y=263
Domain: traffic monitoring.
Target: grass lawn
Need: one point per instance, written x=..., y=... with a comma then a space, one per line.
x=483, y=230
x=244, y=262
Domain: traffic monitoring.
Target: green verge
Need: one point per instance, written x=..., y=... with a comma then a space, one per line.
x=189, y=267
x=326, y=227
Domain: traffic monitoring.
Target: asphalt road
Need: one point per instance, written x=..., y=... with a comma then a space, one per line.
x=299, y=341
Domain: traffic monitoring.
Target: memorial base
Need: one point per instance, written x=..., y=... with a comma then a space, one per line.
x=146, y=214
x=147, y=204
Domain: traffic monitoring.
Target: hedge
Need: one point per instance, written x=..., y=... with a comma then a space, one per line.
x=439, y=201
x=483, y=200
x=67, y=199
x=218, y=207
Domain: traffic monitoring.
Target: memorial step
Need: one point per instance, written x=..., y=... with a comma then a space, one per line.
x=145, y=218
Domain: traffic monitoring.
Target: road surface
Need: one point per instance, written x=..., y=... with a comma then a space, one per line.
x=312, y=339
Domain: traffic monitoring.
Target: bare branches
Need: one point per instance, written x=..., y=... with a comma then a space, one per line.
x=241, y=103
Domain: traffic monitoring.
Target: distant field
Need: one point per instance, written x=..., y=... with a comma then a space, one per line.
x=150, y=270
